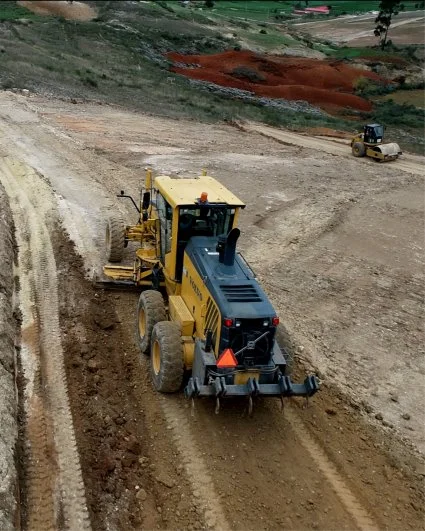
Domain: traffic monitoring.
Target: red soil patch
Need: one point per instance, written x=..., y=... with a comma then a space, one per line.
x=328, y=84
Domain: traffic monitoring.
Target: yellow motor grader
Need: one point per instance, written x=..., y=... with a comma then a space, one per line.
x=369, y=143
x=201, y=316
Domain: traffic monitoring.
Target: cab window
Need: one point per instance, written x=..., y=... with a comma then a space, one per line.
x=205, y=220
x=201, y=220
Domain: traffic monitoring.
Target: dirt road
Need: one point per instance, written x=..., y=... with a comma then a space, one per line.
x=357, y=30
x=408, y=162
x=149, y=461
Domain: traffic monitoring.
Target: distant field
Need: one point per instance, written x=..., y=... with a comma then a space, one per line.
x=267, y=10
x=411, y=97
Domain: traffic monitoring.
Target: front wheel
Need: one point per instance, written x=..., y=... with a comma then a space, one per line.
x=167, y=364
x=115, y=239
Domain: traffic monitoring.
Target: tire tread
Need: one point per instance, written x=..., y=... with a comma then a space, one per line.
x=154, y=308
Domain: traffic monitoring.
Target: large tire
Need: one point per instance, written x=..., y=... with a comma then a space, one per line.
x=115, y=239
x=167, y=364
x=150, y=310
x=358, y=149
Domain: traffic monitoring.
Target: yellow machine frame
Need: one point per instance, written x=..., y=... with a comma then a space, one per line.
x=178, y=251
x=147, y=233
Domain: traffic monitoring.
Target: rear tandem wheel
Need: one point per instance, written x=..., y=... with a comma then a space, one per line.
x=167, y=363
x=150, y=310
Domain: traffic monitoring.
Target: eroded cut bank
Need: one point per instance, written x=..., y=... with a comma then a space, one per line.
x=8, y=404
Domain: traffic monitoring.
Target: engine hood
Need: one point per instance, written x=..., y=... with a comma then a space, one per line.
x=234, y=288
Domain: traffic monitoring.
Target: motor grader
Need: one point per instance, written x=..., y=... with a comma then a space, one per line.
x=370, y=143
x=201, y=315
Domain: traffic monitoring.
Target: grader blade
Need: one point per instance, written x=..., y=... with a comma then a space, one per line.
x=101, y=281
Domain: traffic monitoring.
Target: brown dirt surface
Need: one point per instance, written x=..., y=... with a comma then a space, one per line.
x=132, y=479
x=357, y=30
x=326, y=131
x=328, y=84
x=326, y=234
x=68, y=10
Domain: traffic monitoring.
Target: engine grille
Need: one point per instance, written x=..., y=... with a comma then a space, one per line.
x=241, y=293
x=211, y=319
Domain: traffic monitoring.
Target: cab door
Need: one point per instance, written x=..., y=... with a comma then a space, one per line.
x=165, y=215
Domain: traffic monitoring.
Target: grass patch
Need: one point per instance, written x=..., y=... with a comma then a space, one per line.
x=347, y=52
x=269, y=10
x=271, y=39
x=409, y=97
x=10, y=11
x=392, y=113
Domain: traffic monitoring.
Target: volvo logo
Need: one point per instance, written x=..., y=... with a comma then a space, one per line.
x=195, y=288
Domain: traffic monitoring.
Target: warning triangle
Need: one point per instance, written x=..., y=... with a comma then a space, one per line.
x=227, y=359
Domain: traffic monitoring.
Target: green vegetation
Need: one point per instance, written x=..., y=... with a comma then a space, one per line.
x=120, y=57
x=387, y=9
x=391, y=113
x=414, y=97
x=12, y=11
x=271, y=40
x=268, y=10
x=353, y=53
x=366, y=87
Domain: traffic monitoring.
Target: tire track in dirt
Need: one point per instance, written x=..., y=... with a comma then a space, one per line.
x=352, y=505
x=39, y=262
x=203, y=487
x=42, y=467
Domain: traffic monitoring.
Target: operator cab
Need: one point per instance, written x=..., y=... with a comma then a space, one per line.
x=203, y=219
x=202, y=207
x=373, y=133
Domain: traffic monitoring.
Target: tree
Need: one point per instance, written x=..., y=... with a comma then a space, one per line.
x=387, y=8
x=209, y=3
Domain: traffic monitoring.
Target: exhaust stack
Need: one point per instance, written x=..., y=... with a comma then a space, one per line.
x=226, y=247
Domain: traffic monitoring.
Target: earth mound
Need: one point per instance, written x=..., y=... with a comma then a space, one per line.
x=327, y=84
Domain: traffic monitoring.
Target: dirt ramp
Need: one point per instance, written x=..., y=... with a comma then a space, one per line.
x=68, y=10
x=8, y=406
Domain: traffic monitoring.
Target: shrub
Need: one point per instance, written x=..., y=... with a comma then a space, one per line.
x=366, y=87
x=165, y=6
x=360, y=85
x=406, y=115
x=90, y=82
x=244, y=72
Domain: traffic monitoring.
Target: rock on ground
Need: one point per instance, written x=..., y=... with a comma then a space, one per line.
x=8, y=403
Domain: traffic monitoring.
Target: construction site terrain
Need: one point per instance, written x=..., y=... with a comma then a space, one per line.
x=336, y=243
